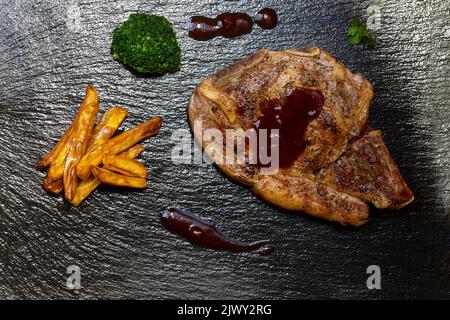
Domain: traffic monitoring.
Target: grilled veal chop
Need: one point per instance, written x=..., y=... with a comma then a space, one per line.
x=330, y=163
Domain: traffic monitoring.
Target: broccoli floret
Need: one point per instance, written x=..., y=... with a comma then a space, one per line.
x=147, y=43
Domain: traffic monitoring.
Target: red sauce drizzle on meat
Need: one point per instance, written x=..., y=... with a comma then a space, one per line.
x=291, y=116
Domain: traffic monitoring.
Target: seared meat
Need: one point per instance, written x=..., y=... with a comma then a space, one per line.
x=341, y=167
x=367, y=171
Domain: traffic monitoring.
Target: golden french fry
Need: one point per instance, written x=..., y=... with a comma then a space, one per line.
x=53, y=186
x=117, y=144
x=133, y=152
x=105, y=129
x=79, y=141
x=61, y=146
x=128, y=167
x=56, y=169
x=47, y=159
x=85, y=188
x=116, y=179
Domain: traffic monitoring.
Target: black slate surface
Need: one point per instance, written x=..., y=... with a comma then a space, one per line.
x=50, y=50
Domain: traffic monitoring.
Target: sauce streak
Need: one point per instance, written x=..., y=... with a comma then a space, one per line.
x=291, y=117
x=266, y=18
x=204, y=233
x=229, y=24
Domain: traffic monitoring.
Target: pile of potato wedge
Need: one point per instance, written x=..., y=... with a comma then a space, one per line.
x=89, y=154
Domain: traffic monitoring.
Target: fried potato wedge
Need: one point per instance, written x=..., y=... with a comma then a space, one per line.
x=128, y=167
x=56, y=169
x=105, y=129
x=53, y=186
x=47, y=159
x=79, y=141
x=85, y=188
x=117, y=144
x=61, y=147
x=115, y=179
x=133, y=152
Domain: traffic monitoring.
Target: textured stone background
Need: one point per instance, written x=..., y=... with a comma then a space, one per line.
x=50, y=50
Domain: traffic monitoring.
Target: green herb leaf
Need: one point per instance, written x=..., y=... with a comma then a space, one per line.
x=357, y=34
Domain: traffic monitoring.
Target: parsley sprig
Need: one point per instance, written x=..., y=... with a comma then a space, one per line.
x=357, y=34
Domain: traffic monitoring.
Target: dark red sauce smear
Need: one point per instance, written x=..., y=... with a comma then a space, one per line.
x=266, y=18
x=229, y=24
x=291, y=117
x=203, y=233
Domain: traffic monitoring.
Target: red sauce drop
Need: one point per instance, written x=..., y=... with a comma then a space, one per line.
x=234, y=24
x=228, y=25
x=291, y=117
x=266, y=18
x=203, y=28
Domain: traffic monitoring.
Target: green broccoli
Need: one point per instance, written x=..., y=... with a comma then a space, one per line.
x=147, y=43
